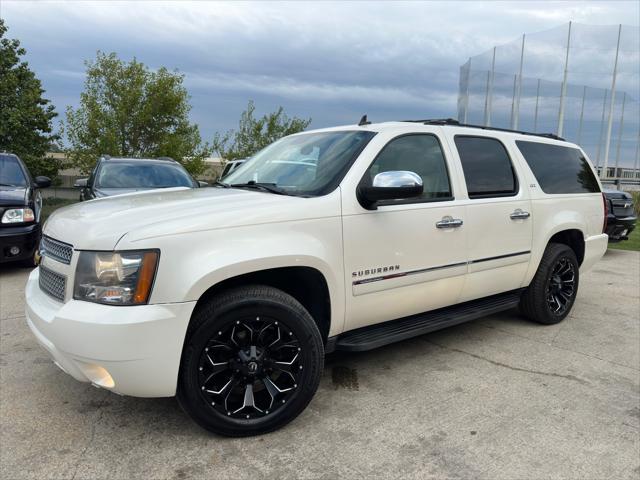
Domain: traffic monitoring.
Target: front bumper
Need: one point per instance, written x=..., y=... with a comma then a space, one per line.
x=619, y=228
x=130, y=350
x=24, y=237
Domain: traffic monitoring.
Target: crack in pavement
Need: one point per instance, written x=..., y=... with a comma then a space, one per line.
x=92, y=436
x=511, y=367
x=555, y=345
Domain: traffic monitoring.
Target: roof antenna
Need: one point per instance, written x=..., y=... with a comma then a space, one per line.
x=364, y=121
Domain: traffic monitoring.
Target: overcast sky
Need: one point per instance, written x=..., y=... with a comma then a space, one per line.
x=328, y=61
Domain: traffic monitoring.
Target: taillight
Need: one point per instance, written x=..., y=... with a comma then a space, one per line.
x=605, y=204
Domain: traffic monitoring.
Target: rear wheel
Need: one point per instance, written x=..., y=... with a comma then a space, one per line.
x=552, y=292
x=252, y=362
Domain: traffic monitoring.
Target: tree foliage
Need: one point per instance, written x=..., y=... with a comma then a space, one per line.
x=128, y=110
x=25, y=116
x=254, y=133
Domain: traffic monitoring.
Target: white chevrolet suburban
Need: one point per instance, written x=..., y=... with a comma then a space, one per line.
x=343, y=238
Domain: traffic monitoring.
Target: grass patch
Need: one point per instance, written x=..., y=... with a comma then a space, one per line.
x=49, y=205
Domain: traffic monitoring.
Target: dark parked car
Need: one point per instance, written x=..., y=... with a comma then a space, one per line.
x=621, y=219
x=20, y=207
x=115, y=176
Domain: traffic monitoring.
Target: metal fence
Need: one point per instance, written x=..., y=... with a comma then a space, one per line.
x=581, y=82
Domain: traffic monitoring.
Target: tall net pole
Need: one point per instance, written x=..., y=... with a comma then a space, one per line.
x=535, y=114
x=607, y=142
x=636, y=173
x=563, y=92
x=624, y=99
x=516, y=117
x=489, y=97
x=465, y=102
x=584, y=95
x=604, y=107
x=513, y=101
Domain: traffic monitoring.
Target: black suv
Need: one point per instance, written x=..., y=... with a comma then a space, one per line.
x=621, y=220
x=115, y=176
x=20, y=207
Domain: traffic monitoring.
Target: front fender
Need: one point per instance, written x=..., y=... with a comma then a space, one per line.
x=192, y=263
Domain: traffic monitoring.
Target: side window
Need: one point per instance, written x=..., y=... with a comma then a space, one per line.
x=487, y=167
x=559, y=169
x=421, y=154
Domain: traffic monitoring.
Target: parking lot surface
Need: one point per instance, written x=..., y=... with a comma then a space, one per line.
x=499, y=398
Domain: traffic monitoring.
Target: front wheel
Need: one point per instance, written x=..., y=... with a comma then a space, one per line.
x=552, y=292
x=252, y=361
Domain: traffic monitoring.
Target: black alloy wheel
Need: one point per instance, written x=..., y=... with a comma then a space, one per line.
x=562, y=286
x=252, y=361
x=551, y=294
x=250, y=367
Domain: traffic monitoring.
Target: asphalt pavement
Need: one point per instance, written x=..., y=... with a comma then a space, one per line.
x=498, y=398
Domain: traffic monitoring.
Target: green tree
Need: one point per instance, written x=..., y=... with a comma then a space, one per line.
x=25, y=116
x=254, y=134
x=130, y=111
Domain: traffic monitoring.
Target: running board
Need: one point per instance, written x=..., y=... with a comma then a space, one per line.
x=375, y=336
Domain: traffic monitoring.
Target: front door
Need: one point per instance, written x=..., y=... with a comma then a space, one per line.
x=408, y=256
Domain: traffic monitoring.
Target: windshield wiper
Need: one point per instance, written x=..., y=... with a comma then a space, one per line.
x=218, y=183
x=7, y=185
x=267, y=187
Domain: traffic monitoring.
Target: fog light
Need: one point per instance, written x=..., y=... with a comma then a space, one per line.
x=14, y=250
x=96, y=374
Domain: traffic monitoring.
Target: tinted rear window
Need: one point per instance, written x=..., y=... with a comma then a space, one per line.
x=559, y=169
x=487, y=167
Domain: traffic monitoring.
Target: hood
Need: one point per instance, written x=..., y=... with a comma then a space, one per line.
x=13, y=196
x=110, y=192
x=101, y=223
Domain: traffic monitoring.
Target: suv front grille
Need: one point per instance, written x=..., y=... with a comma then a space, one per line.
x=56, y=249
x=52, y=283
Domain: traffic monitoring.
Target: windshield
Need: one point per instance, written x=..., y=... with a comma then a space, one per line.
x=142, y=175
x=11, y=173
x=309, y=164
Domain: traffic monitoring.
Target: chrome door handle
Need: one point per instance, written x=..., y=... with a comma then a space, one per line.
x=519, y=214
x=449, y=222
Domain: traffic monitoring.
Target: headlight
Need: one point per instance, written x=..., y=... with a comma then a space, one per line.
x=115, y=278
x=18, y=215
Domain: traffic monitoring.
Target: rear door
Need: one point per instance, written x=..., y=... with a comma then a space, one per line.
x=498, y=216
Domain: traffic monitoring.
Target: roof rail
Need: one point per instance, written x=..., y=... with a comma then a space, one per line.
x=168, y=159
x=453, y=122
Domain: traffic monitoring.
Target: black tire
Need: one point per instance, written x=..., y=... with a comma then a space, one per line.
x=251, y=359
x=551, y=295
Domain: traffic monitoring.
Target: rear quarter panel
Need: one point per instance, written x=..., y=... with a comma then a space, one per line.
x=553, y=213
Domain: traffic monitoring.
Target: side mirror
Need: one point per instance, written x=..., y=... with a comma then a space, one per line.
x=80, y=183
x=392, y=185
x=42, y=182
x=203, y=184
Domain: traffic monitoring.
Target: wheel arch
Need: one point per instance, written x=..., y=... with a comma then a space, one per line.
x=573, y=238
x=308, y=285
